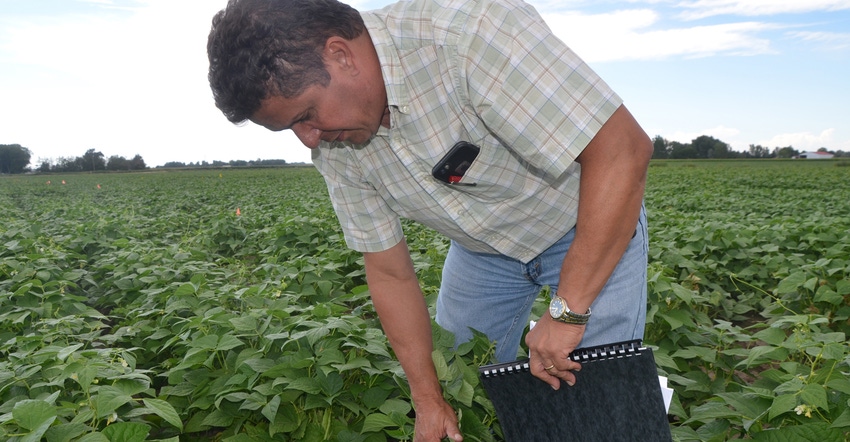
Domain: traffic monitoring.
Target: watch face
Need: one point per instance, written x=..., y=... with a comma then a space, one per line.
x=557, y=307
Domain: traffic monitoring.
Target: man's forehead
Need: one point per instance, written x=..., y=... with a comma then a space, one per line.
x=279, y=113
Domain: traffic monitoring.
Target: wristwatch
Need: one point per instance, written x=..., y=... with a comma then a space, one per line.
x=559, y=311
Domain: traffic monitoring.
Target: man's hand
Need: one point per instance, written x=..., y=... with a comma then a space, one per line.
x=435, y=420
x=549, y=345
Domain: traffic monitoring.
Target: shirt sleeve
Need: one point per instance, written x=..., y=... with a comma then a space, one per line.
x=368, y=223
x=529, y=88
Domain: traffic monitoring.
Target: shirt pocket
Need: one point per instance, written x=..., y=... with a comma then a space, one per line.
x=495, y=175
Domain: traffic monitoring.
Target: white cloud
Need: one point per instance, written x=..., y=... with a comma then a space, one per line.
x=806, y=141
x=829, y=40
x=627, y=35
x=708, y=8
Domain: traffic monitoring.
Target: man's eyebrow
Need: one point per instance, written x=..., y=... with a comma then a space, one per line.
x=299, y=117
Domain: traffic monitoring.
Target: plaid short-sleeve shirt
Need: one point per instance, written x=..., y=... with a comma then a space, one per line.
x=490, y=73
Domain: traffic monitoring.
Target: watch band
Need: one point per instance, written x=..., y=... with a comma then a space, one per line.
x=568, y=316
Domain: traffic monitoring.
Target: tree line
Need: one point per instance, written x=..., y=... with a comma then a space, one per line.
x=15, y=158
x=92, y=161
x=707, y=147
x=231, y=163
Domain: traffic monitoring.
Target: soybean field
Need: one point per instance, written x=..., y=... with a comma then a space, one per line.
x=223, y=304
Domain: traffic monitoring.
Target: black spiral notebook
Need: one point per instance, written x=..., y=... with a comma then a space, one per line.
x=617, y=397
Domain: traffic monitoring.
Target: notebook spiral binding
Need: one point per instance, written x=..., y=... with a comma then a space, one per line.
x=589, y=354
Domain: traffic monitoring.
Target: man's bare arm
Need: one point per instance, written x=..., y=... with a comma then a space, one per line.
x=407, y=323
x=613, y=178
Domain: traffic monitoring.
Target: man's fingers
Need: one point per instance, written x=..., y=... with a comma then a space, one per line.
x=554, y=371
x=454, y=434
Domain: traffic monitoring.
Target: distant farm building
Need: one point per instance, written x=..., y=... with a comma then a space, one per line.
x=816, y=155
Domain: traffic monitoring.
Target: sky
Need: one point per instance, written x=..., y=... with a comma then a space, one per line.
x=127, y=77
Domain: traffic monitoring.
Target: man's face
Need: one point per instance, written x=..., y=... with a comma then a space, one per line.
x=345, y=110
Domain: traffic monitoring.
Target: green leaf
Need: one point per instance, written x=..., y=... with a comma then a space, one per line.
x=815, y=395
x=31, y=414
x=682, y=293
x=791, y=283
x=711, y=411
x=465, y=393
x=94, y=437
x=814, y=432
x=834, y=351
x=440, y=364
x=66, y=432
x=127, y=432
x=834, y=337
x=840, y=384
x=270, y=409
x=782, y=404
x=751, y=406
x=185, y=289
x=376, y=422
x=307, y=385
x=375, y=396
x=227, y=342
x=702, y=353
x=825, y=294
x=164, y=410
x=218, y=418
x=843, y=287
x=396, y=406
x=208, y=342
x=244, y=324
x=331, y=384
x=677, y=318
x=772, y=335
x=108, y=399
x=842, y=421
x=286, y=421
x=763, y=354
x=68, y=351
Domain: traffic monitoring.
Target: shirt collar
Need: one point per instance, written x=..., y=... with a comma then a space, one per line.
x=397, y=94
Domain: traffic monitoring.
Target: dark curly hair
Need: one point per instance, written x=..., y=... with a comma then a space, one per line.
x=263, y=48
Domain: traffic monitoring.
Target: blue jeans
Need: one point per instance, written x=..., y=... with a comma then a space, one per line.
x=494, y=294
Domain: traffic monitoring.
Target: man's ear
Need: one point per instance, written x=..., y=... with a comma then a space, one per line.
x=340, y=53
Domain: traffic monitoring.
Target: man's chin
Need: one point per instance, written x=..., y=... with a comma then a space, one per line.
x=359, y=139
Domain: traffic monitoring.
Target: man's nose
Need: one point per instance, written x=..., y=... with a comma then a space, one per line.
x=309, y=136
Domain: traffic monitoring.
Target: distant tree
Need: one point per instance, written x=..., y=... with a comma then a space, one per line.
x=14, y=158
x=823, y=149
x=785, y=152
x=137, y=163
x=709, y=147
x=758, y=151
x=92, y=161
x=680, y=151
x=660, y=147
x=269, y=162
x=68, y=164
x=117, y=162
x=174, y=164
x=45, y=166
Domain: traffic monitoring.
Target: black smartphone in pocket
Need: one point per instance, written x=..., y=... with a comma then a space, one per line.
x=450, y=168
